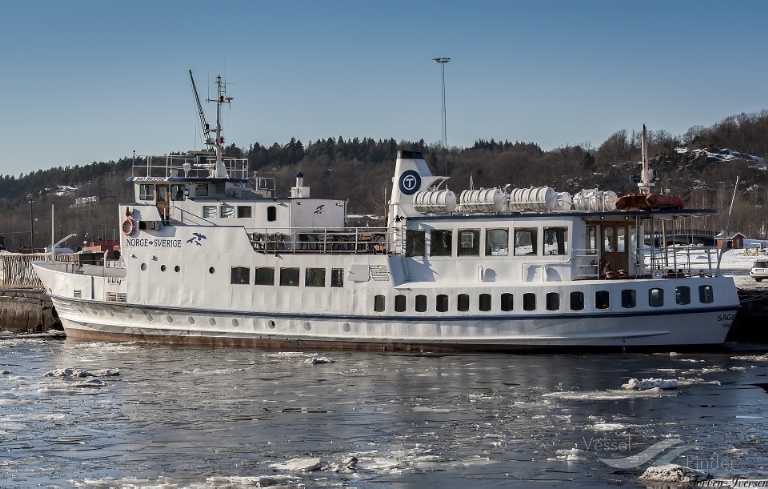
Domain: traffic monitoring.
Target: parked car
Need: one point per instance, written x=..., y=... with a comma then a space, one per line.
x=759, y=270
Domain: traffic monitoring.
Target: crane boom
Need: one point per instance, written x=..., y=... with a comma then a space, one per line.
x=206, y=127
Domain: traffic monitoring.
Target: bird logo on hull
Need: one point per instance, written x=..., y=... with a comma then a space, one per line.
x=197, y=238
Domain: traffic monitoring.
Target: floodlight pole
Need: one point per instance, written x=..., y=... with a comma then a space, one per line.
x=442, y=62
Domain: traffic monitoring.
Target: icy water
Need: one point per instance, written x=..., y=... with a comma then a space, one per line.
x=187, y=417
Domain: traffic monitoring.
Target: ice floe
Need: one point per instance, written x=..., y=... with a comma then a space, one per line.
x=649, y=384
x=673, y=473
x=77, y=373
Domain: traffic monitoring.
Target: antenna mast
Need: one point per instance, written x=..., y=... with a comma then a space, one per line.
x=217, y=143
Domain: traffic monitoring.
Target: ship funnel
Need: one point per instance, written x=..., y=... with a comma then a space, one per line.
x=300, y=191
x=412, y=175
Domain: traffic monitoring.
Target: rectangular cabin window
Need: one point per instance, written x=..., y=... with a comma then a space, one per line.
x=177, y=192
x=469, y=242
x=379, y=303
x=526, y=242
x=591, y=240
x=441, y=242
x=609, y=244
x=415, y=242
x=497, y=242
x=421, y=303
x=289, y=277
x=553, y=301
x=147, y=191
x=682, y=295
x=399, y=303
x=271, y=213
x=463, y=303
x=227, y=211
x=244, y=212
x=314, y=277
x=241, y=275
x=201, y=190
x=337, y=277
x=209, y=211
x=485, y=302
x=507, y=302
x=529, y=301
x=706, y=294
x=602, y=299
x=656, y=297
x=441, y=303
x=621, y=239
x=628, y=298
x=577, y=301
x=265, y=276
x=556, y=241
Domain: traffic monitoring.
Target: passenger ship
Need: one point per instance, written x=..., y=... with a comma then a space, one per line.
x=211, y=256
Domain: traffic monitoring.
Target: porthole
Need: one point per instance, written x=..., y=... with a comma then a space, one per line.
x=111, y=313
x=129, y=315
x=143, y=266
x=211, y=270
x=235, y=322
x=347, y=328
x=177, y=269
x=162, y=268
x=271, y=325
x=149, y=317
x=212, y=321
x=169, y=319
x=191, y=320
x=307, y=326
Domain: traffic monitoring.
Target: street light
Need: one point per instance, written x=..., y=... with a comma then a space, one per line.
x=442, y=62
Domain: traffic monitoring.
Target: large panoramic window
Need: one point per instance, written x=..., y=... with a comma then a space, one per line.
x=314, y=277
x=289, y=277
x=497, y=242
x=556, y=241
x=525, y=241
x=241, y=275
x=469, y=242
x=414, y=242
x=441, y=242
x=265, y=276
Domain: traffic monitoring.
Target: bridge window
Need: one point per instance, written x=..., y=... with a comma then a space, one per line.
x=682, y=295
x=289, y=277
x=497, y=242
x=469, y=242
x=265, y=276
x=577, y=301
x=656, y=297
x=147, y=191
x=553, y=301
x=337, y=277
x=602, y=299
x=706, y=294
x=414, y=242
x=400, y=303
x=529, y=302
x=421, y=303
x=441, y=303
x=241, y=275
x=507, y=302
x=556, y=241
x=379, y=303
x=628, y=298
x=463, y=302
x=485, y=302
x=526, y=242
x=177, y=192
x=201, y=190
x=314, y=277
x=244, y=211
x=441, y=242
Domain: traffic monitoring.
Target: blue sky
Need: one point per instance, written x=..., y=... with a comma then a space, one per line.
x=88, y=81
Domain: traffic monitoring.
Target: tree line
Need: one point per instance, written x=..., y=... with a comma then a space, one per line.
x=361, y=169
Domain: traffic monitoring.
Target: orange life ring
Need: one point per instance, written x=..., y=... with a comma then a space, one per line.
x=129, y=227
